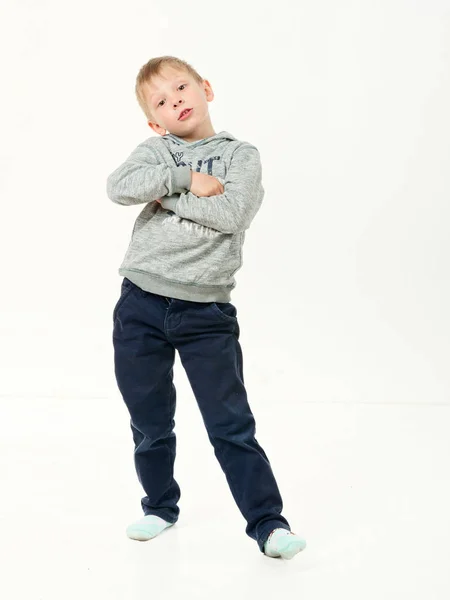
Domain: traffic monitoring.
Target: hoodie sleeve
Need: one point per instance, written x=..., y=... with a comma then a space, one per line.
x=142, y=178
x=234, y=210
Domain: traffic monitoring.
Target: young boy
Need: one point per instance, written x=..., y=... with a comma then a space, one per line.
x=201, y=190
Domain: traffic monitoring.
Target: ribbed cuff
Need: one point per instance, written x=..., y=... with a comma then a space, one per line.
x=181, y=178
x=170, y=202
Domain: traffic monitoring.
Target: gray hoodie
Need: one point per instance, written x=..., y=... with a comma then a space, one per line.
x=188, y=247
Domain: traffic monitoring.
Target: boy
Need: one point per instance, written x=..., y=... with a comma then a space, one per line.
x=201, y=190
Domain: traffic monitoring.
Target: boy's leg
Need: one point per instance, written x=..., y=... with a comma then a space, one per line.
x=206, y=336
x=144, y=360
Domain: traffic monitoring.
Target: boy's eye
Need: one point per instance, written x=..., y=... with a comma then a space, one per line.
x=182, y=85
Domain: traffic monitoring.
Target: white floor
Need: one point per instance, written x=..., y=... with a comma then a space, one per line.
x=366, y=485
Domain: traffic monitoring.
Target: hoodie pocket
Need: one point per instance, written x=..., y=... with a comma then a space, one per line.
x=183, y=251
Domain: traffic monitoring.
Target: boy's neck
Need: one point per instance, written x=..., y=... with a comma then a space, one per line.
x=203, y=131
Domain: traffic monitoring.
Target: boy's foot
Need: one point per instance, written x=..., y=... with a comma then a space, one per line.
x=283, y=543
x=147, y=528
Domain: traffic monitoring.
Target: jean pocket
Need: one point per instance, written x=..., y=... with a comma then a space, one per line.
x=126, y=288
x=225, y=310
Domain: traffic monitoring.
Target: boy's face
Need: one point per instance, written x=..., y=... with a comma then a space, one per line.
x=173, y=91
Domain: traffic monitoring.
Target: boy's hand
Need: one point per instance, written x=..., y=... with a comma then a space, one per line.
x=205, y=185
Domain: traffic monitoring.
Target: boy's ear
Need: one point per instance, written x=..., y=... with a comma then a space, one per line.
x=156, y=128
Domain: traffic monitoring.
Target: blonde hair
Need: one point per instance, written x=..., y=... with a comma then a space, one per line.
x=154, y=67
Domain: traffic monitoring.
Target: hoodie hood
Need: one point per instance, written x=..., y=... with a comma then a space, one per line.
x=174, y=139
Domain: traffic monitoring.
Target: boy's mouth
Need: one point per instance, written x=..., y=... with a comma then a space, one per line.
x=185, y=113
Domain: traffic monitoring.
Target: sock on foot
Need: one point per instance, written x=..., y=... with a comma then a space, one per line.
x=147, y=528
x=283, y=543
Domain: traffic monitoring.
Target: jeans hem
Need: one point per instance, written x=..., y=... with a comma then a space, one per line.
x=161, y=515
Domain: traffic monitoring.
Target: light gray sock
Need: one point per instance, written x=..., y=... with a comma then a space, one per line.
x=283, y=543
x=147, y=528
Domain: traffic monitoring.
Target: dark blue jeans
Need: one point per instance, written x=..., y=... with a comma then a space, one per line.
x=148, y=328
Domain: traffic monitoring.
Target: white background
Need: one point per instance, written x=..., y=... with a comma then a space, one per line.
x=343, y=299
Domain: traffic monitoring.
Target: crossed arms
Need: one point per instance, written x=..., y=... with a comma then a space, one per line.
x=142, y=179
